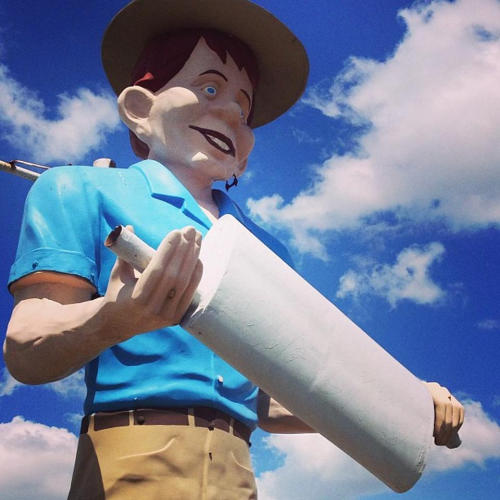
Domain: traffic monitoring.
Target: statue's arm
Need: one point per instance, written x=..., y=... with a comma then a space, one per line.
x=55, y=328
x=448, y=416
x=272, y=417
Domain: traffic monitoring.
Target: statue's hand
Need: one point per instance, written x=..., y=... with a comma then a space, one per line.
x=159, y=297
x=448, y=416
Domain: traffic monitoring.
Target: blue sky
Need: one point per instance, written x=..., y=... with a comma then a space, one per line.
x=383, y=180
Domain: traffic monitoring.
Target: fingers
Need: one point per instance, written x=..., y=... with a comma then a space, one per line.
x=446, y=426
x=168, y=283
x=462, y=416
x=187, y=296
x=155, y=270
x=458, y=412
x=443, y=416
x=448, y=416
x=182, y=264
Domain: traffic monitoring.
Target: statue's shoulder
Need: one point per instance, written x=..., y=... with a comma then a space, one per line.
x=74, y=179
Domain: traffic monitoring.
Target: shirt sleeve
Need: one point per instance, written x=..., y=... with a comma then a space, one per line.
x=60, y=229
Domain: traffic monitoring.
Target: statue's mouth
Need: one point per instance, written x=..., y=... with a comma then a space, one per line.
x=217, y=140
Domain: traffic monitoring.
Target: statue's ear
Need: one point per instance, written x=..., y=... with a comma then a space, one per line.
x=240, y=169
x=134, y=105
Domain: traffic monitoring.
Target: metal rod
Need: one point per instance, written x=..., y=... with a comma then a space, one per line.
x=29, y=164
x=12, y=168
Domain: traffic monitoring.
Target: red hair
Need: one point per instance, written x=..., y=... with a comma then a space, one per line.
x=164, y=56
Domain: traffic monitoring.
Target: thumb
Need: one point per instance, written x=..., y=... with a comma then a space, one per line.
x=122, y=271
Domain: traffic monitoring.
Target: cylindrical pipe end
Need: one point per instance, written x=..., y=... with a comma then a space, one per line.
x=129, y=247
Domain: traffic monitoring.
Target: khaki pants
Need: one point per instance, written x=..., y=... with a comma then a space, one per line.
x=156, y=462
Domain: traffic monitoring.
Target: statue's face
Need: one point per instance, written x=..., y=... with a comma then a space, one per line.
x=198, y=119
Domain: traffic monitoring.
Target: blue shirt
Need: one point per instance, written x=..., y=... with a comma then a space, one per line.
x=68, y=214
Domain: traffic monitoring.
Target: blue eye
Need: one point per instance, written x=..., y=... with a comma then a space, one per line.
x=210, y=90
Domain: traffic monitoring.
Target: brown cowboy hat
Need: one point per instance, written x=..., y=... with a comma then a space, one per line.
x=282, y=59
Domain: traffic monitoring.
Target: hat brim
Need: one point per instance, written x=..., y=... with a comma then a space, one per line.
x=281, y=57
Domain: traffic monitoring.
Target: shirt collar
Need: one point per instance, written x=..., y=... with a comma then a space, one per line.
x=163, y=185
x=227, y=205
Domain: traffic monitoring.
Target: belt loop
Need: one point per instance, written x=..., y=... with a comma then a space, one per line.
x=131, y=417
x=91, y=422
x=190, y=416
x=231, y=425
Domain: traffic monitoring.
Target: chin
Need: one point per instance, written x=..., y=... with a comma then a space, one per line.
x=213, y=167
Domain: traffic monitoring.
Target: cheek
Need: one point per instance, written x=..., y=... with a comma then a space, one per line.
x=247, y=141
x=174, y=106
x=178, y=101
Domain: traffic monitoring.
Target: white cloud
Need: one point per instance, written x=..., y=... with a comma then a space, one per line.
x=314, y=468
x=431, y=148
x=8, y=384
x=489, y=324
x=83, y=121
x=74, y=419
x=72, y=386
x=37, y=461
x=408, y=278
x=303, y=137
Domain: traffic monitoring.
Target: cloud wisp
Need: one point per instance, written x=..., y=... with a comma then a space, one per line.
x=69, y=387
x=8, y=384
x=314, y=468
x=84, y=120
x=37, y=461
x=430, y=147
x=489, y=324
x=407, y=279
x=72, y=386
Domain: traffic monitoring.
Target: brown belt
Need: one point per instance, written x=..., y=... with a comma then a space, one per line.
x=203, y=417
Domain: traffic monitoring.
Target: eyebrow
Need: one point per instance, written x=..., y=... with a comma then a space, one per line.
x=215, y=72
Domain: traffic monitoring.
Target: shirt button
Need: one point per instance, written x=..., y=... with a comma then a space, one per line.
x=220, y=379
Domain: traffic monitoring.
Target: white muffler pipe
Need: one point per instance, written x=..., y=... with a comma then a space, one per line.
x=259, y=315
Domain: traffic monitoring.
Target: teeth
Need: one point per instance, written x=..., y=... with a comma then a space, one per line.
x=220, y=143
